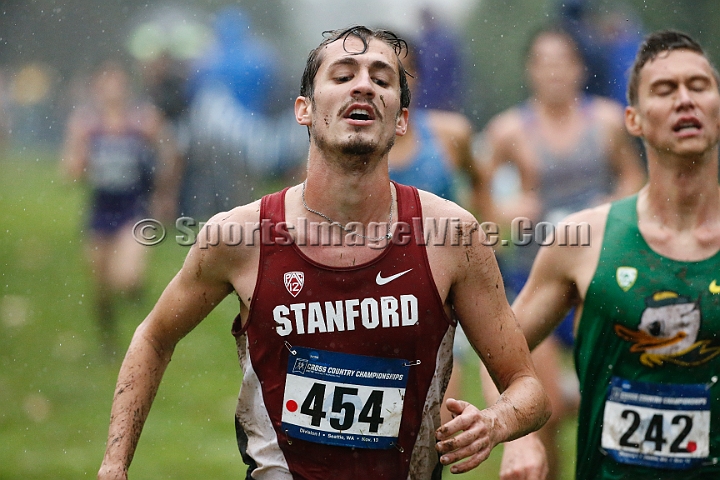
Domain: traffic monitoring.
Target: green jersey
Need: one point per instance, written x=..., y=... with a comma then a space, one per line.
x=647, y=355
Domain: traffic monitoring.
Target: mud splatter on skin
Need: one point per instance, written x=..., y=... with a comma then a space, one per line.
x=198, y=272
x=382, y=99
x=464, y=232
x=474, y=228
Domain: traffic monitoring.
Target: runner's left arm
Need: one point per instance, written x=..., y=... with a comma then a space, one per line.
x=479, y=302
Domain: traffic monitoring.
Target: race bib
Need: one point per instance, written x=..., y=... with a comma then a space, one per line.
x=345, y=400
x=657, y=425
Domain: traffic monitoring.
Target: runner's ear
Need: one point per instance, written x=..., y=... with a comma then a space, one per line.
x=633, y=121
x=402, y=122
x=303, y=110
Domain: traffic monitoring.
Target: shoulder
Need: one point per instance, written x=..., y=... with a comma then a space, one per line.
x=437, y=207
x=582, y=229
x=450, y=123
x=227, y=241
x=249, y=212
x=607, y=111
x=575, y=249
x=595, y=217
x=505, y=127
x=453, y=236
x=575, y=254
x=463, y=266
x=245, y=216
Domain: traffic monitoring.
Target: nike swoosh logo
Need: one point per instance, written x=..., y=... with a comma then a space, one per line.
x=714, y=287
x=380, y=280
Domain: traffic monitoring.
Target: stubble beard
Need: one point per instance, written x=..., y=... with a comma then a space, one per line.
x=357, y=155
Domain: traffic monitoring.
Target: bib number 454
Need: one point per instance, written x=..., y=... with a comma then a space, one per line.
x=344, y=401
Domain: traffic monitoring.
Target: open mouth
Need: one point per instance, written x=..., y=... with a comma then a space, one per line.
x=687, y=124
x=360, y=113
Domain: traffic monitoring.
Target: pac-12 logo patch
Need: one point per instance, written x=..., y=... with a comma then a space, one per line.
x=294, y=282
x=626, y=277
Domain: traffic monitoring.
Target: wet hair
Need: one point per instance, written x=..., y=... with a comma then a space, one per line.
x=315, y=57
x=655, y=44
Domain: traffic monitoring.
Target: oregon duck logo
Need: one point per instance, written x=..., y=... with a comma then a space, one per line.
x=668, y=332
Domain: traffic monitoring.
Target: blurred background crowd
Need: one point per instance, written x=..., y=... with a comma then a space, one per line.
x=208, y=87
x=49, y=46
x=209, y=65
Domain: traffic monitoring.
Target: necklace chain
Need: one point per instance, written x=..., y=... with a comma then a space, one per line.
x=387, y=236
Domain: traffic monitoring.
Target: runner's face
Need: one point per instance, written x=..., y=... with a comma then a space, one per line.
x=111, y=87
x=554, y=68
x=678, y=107
x=356, y=106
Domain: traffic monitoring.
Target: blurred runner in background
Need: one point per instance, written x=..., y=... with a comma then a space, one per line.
x=122, y=150
x=571, y=151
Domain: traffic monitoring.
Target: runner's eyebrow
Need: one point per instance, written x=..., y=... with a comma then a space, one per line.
x=351, y=61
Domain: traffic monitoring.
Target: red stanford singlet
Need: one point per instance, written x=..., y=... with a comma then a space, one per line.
x=344, y=369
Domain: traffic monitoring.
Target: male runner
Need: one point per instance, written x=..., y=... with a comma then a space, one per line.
x=345, y=344
x=646, y=289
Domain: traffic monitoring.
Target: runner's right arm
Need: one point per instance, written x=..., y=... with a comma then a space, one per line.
x=199, y=286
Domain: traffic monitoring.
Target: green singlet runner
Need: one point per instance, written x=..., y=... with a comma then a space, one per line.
x=648, y=360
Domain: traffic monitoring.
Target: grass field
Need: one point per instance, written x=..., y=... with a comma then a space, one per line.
x=56, y=386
